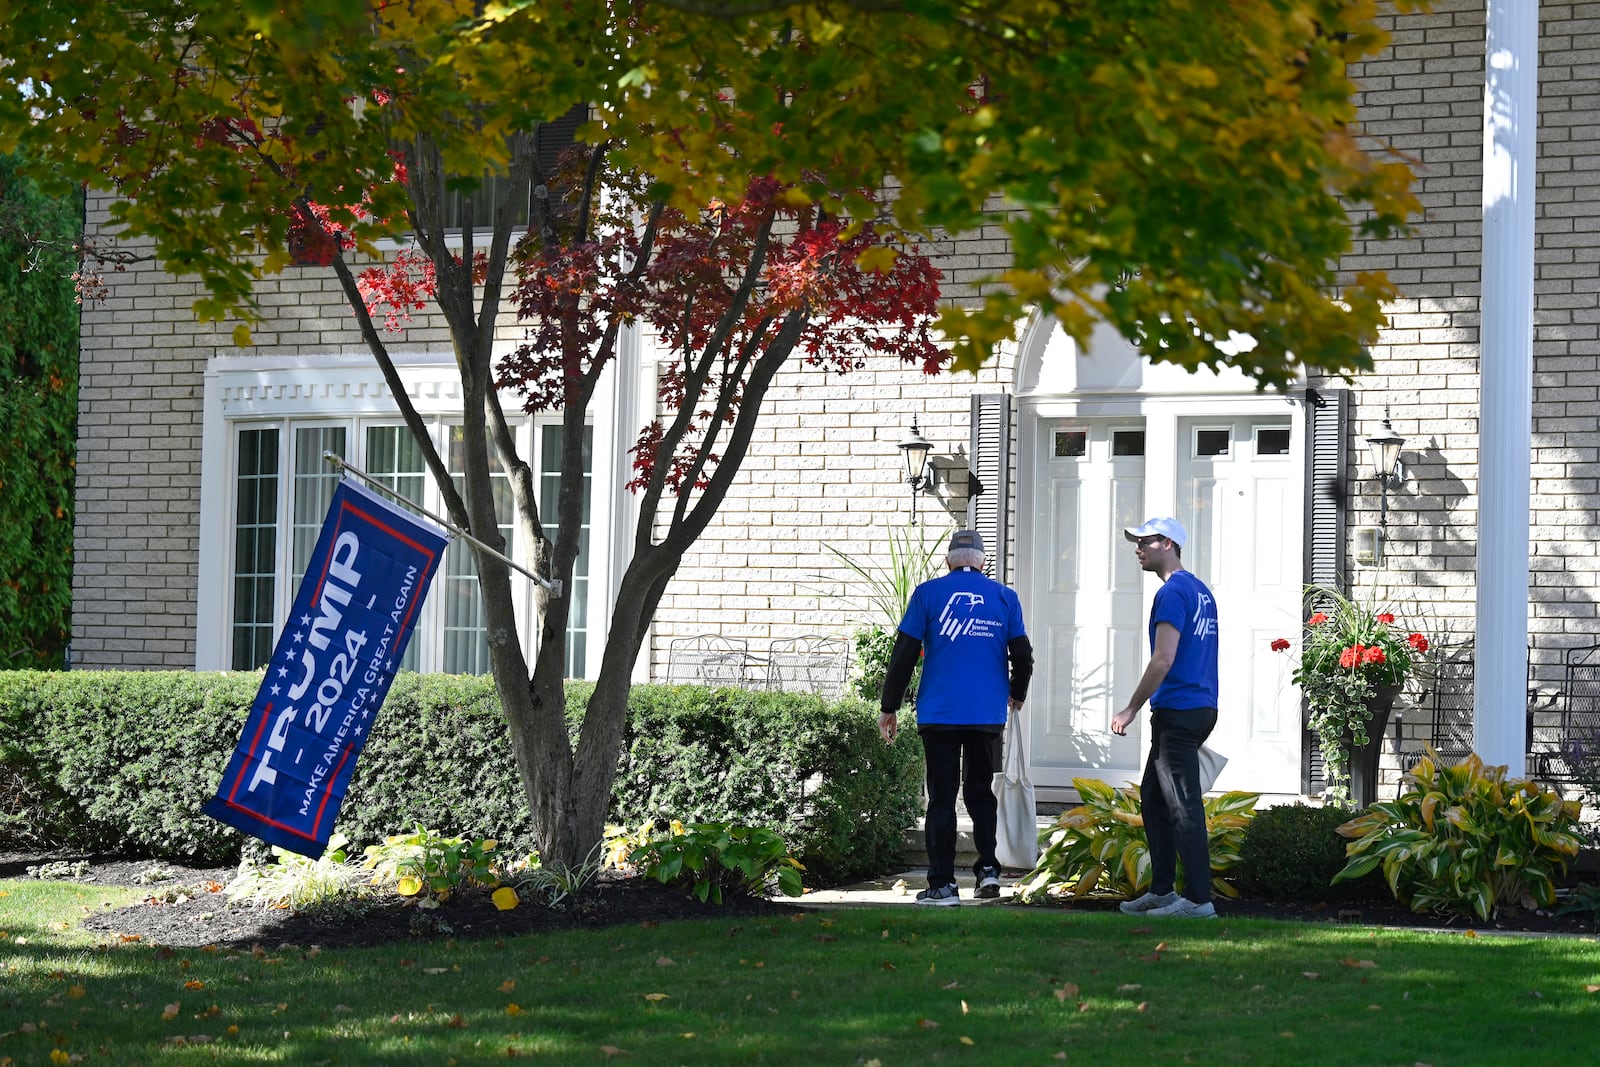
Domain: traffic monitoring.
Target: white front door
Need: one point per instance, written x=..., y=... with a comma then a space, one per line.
x=1086, y=605
x=1235, y=483
x=1239, y=499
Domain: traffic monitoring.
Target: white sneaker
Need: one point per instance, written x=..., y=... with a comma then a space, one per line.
x=1148, y=902
x=1185, y=908
x=988, y=884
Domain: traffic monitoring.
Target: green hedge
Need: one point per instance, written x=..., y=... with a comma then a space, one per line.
x=122, y=761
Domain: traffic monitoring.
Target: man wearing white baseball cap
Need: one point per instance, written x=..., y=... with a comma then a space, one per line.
x=1180, y=682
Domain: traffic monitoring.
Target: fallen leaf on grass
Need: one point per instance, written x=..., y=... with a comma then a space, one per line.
x=1591, y=989
x=76, y=991
x=965, y=1040
x=665, y=961
x=508, y=985
x=171, y=1010
x=1359, y=964
x=505, y=898
x=1144, y=1006
x=513, y=1009
x=457, y=1023
x=1131, y=987
x=612, y=1050
x=1312, y=974
x=927, y=1024
x=964, y=1010
x=656, y=998
x=194, y=984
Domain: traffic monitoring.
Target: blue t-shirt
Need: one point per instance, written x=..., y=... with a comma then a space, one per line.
x=1184, y=602
x=964, y=620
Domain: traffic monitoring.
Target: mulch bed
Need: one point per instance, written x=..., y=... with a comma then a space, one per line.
x=187, y=909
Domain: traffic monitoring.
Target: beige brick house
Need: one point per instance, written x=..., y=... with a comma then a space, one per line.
x=201, y=483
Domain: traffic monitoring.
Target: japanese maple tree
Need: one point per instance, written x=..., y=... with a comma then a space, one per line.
x=1180, y=170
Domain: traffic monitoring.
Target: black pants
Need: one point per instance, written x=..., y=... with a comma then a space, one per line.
x=955, y=758
x=1174, y=807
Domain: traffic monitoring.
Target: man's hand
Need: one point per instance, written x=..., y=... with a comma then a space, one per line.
x=1016, y=705
x=1120, y=721
x=888, y=727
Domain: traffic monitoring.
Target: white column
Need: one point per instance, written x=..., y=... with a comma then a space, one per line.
x=1505, y=368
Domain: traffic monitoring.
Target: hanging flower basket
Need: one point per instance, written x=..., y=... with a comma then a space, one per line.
x=1350, y=658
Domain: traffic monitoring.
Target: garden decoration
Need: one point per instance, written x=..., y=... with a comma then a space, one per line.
x=1352, y=664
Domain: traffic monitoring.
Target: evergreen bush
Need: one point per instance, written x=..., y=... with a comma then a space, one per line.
x=1293, y=851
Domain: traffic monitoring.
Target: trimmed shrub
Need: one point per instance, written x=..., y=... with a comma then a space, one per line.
x=1293, y=851
x=123, y=761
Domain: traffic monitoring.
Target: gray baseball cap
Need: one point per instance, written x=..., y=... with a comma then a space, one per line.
x=966, y=539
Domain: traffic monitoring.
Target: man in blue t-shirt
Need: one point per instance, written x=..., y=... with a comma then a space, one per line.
x=976, y=664
x=1180, y=683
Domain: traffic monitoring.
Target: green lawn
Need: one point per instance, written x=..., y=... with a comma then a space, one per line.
x=896, y=987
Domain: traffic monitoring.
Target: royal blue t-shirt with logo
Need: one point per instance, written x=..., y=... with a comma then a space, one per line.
x=965, y=620
x=1184, y=602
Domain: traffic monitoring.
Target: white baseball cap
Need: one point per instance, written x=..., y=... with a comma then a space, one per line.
x=1162, y=526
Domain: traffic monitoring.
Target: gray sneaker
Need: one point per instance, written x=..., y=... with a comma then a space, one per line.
x=988, y=884
x=941, y=896
x=1185, y=908
x=1148, y=902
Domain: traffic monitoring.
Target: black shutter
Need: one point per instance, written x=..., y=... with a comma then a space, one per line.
x=1327, y=471
x=989, y=478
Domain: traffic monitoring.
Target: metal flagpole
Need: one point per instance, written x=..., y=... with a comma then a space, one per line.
x=551, y=586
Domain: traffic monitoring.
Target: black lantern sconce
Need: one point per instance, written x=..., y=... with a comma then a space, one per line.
x=919, y=473
x=1387, y=468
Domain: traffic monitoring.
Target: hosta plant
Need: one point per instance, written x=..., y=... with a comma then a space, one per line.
x=1100, y=847
x=293, y=881
x=711, y=857
x=1466, y=839
x=427, y=866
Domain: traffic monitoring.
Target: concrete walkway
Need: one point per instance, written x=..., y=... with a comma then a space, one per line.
x=896, y=889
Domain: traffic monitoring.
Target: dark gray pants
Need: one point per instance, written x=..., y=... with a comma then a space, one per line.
x=1174, y=808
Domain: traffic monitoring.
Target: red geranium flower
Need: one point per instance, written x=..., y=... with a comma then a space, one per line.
x=1280, y=645
x=1418, y=642
x=1386, y=618
x=1351, y=657
x=1374, y=655
x=1317, y=620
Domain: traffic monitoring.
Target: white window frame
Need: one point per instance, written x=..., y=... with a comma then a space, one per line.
x=296, y=392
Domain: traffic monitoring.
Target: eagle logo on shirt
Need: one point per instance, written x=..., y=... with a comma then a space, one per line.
x=957, y=618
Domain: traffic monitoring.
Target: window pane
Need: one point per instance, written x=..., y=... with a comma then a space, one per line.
x=1071, y=444
x=1127, y=443
x=1211, y=442
x=394, y=461
x=466, y=636
x=313, y=487
x=1272, y=441
x=552, y=438
x=255, y=529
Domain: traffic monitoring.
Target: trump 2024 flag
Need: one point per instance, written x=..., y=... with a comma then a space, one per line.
x=329, y=673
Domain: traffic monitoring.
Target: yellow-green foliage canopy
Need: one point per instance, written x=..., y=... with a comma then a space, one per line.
x=1187, y=169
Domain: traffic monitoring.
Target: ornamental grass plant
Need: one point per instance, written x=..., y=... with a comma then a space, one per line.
x=1347, y=653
